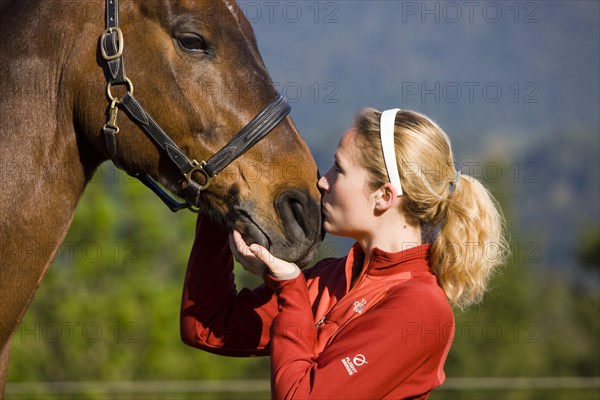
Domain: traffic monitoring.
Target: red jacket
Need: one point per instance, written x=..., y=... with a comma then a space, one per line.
x=386, y=337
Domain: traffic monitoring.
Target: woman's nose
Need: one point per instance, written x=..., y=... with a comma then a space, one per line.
x=322, y=183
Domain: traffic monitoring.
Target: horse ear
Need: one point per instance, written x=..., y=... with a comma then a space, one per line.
x=242, y=21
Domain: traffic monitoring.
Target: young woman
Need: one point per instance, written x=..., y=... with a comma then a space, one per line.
x=377, y=323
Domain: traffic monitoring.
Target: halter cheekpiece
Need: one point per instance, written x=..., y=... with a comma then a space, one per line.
x=111, y=48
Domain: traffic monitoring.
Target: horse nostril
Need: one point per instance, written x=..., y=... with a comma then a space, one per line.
x=300, y=214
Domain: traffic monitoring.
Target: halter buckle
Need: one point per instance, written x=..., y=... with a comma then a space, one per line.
x=199, y=167
x=121, y=44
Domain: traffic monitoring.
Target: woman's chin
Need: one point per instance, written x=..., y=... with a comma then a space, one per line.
x=329, y=228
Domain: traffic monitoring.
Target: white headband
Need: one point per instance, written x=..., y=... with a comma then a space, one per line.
x=386, y=127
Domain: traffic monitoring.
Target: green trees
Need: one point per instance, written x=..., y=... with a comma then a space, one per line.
x=108, y=309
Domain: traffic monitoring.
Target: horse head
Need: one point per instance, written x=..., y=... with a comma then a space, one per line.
x=196, y=68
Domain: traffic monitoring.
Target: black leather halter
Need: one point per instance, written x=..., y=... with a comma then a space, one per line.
x=111, y=47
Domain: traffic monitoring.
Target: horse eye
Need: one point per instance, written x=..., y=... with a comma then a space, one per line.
x=192, y=42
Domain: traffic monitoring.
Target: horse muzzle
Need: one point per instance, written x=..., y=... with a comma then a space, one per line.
x=294, y=236
x=300, y=214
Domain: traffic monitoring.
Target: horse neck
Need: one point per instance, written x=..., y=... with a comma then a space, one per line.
x=44, y=162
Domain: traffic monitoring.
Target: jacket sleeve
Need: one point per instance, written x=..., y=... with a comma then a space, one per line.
x=396, y=349
x=214, y=316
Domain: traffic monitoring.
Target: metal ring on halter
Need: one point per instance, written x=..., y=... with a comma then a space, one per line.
x=128, y=83
x=119, y=53
x=200, y=168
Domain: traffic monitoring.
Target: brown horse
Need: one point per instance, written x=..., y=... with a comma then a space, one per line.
x=197, y=71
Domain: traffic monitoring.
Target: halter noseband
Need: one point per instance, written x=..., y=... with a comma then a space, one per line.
x=111, y=48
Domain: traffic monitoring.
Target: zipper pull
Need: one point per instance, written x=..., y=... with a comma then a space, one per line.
x=320, y=322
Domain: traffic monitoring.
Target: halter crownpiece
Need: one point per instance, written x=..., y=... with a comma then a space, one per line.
x=386, y=128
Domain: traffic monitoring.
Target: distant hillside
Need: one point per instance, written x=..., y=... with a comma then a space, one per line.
x=557, y=193
x=531, y=70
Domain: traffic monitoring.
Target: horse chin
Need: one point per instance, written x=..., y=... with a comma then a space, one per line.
x=308, y=258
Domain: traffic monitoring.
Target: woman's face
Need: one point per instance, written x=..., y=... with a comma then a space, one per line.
x=347, y=202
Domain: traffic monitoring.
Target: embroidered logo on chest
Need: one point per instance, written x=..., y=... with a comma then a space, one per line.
x=359, y=306
x=351, y=365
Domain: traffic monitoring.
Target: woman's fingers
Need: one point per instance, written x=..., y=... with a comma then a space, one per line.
x=279, y=268
x=244, y=255
x=238, y=243
x=262, y=254
x=255, y=258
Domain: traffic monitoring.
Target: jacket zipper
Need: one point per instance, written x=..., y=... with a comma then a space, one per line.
x=358, y=282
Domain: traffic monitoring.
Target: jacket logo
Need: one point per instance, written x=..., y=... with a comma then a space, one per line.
x=358, y=361
x=359, y=306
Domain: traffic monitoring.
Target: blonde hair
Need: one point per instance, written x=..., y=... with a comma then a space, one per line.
x=471, y=242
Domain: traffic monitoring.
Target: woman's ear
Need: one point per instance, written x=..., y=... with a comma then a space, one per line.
x=386, y=197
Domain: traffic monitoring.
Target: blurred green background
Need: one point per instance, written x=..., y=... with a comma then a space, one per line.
x=108, y=309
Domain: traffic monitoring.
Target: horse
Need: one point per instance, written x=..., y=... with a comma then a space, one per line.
x=198, y=75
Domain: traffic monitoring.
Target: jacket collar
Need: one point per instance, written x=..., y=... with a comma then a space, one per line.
x=383, y=263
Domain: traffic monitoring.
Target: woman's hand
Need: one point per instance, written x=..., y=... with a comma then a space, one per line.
x=243, y=254
x=256, y=259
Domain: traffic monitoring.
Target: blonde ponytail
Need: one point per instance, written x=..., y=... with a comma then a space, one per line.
x=471, y=242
